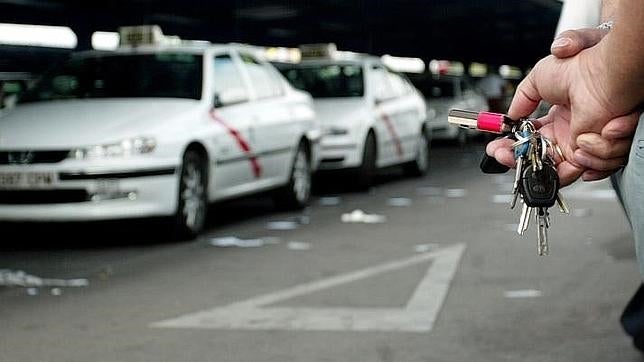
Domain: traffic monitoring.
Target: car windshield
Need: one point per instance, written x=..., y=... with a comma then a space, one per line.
x=168, y=75
x=328, y=81
x=435, y=88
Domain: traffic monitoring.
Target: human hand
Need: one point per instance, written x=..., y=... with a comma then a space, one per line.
x=554, y=126
x=570, y=42
x=601, y=153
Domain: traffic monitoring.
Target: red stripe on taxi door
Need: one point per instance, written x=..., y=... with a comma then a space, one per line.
x=241, y=142
x=392, y=131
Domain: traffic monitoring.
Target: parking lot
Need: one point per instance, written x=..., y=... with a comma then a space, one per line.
x=436, y=274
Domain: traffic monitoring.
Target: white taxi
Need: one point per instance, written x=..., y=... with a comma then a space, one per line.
x=371, y=116
x=155, y=130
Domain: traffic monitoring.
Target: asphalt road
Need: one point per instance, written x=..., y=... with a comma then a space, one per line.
x=443, y=278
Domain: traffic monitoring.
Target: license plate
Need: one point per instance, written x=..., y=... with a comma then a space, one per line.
x=26, y=180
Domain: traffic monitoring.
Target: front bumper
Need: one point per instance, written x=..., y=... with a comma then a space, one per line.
x=339, y=152
x=105, y=192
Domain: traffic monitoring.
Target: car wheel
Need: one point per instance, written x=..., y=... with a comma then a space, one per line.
x=192, y=199
x=296, y=193
x=420, y=165
x=367, y=170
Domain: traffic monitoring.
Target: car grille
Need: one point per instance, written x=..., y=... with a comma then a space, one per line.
x=31, y=157
x=34, y=197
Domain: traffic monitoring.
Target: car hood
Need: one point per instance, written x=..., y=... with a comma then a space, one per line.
x=73, y=123
x=338, y=110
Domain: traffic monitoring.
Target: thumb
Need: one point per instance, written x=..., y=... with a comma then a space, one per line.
x=571, y=42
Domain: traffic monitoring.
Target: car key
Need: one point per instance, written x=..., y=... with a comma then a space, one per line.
x=521, y=150
x=482, y=121
x=543, y=223
x=536, y=181
x=487, y=122
x=540, y=188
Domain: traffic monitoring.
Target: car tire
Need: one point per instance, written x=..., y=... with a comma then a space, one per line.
x=296, y=193
x=420, y=165
x=192, y=200
x=367, y=170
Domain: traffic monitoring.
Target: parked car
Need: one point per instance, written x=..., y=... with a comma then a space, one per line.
x=12, y=84
x=371, y=117
x=446, y=92
x=155, y=130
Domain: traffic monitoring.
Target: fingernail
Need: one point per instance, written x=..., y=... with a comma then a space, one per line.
x=560, y=43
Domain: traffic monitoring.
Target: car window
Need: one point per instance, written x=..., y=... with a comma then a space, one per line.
x=382, y=88
x=262, y=77
x=398, y=84
x=228, y=78
x=173, y=75
x=327, y=80
x=435, y=88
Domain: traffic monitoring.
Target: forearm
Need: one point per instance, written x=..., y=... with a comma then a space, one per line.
x=622, y=52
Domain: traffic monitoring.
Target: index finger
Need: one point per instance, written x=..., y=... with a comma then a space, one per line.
x=546, y=81
x=526, y=99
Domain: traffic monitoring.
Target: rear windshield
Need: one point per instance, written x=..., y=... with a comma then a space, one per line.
x=166, y=75
x=327, y=81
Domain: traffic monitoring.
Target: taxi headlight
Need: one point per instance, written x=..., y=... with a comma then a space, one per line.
x=125, y=148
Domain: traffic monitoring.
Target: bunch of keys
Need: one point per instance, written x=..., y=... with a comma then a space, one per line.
x=536, y=182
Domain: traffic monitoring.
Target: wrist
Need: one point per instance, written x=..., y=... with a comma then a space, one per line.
x=621, y=72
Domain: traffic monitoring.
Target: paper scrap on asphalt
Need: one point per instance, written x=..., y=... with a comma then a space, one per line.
x=298, y=245
x=456, y=193
x=329, y=201
x=233, y=241
x=282, y=225
x=399, y=201
x=522, y=293
x=19, y=278
x=56, y=292
x=359, y=216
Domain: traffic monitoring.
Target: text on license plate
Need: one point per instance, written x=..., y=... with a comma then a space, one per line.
x=9, y=180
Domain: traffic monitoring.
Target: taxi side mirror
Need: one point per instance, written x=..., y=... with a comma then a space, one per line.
x=230, y=96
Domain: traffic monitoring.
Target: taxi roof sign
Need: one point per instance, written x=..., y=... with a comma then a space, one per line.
x=329, y=50
x=140, y=35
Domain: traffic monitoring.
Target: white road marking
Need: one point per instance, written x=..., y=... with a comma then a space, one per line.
x=456, y=193
x=522, y=293
x=601, y=190
x=419, y=314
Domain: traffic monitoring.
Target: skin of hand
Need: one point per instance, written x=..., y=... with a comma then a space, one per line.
x=582, y=106
x=598, y=152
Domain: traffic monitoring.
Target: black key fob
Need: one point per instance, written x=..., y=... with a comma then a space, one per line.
x=491, y=165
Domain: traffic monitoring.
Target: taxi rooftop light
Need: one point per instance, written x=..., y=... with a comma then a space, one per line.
x=318, y=50
x=140, y=35
x=326, y=51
